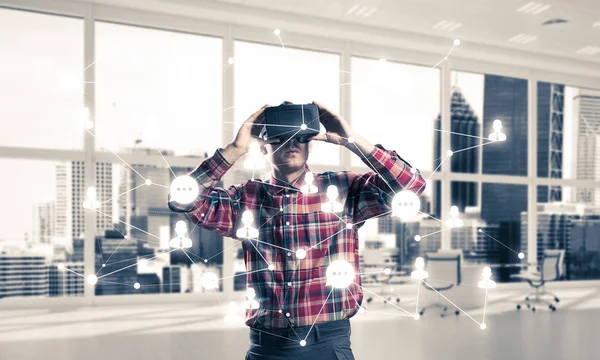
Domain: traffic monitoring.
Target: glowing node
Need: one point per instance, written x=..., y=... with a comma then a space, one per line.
x=300, y=254
x=449, y=153
x=417, y=237
x=302, y=342
x=92, y=279
x=420, y=272
x=90, y=201
x=89, y=124
x=361, y=310
x=103, y=265
x=417, y=316
x=148, y=182
x=445, y=58
x=349, y=226
x=209, y=280
x=61, y=266
x=271, y=267
x=480, y=230
x=287, y=314
x=276, y=32
x=184, y=189
x=351, y=140
x=413, y=170
x=230, y=61
x=483, y=326
x=497, y=135
x=205, y=260
x=280, y=209
x=136, y=285
x=340, y=274
x=247, y=231
x=406, y=205
x=456, y=42
x=308, y=187
x=486, y=282
x=454, y=221
x=303, y=127
x=387, y=271
x=332, y=205
x=280, y=311
x=255, y=160
x=521, y=256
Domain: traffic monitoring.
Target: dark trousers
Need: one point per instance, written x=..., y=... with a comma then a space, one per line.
x=326, y=341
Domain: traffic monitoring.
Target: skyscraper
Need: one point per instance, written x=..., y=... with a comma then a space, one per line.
x=550, y=110
x=71, y=193
x=586, y=106
x=120, y=257
x=22, y=273
x=464, y=126
x=65, y=282
x=44, y=222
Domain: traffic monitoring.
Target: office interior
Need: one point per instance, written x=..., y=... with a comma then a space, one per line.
x=497, y=104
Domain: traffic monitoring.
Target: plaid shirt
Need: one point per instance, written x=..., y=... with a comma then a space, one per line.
x=295, y=294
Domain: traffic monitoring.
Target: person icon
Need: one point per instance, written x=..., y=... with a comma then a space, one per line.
x=91, y=202
x=419, y=273
x=486, y=282
x=332, y=205
x=181, y=241
x=497, y=135
x=454, y=221
x=247, y=231
x=308, y=187
x=251, y=303
x=255, y=160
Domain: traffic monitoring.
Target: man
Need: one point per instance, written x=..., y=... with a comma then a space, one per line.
x=300, y=314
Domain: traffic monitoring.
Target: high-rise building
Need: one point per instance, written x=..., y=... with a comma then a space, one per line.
x=586, y=112
x=22, y=273
x=465, y=128
x=44, y=222
x=171, y=279
x=65, y=282
x=119, y=255
x=550, y=110
x=71, y=193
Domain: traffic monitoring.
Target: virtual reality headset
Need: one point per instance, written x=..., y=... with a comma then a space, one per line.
x=287, y=120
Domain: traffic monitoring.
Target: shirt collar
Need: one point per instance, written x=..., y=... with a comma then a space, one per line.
x=282, y=185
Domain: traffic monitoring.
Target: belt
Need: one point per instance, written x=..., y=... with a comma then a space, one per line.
x=285, y=337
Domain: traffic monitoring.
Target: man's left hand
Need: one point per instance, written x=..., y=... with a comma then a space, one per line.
x=338, y=130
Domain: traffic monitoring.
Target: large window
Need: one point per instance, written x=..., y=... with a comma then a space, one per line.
x=157, y=89
x=267, y=74
x=41, y=92
x=43, y=225
x=397, y=105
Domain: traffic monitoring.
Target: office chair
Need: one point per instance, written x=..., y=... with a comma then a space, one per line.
x=444, y=268
x=551, y=269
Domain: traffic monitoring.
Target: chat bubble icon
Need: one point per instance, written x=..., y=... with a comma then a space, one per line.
x=340, y=274
x=209, y=281
x=406, y=205
x=184, y=189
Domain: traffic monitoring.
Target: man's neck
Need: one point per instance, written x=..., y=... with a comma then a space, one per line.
x=287, y=176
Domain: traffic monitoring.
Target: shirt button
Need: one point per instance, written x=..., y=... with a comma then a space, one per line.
x=287, y=314
x=287, y=223
x=289, y=254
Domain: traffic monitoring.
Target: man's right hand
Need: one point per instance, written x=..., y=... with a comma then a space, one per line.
x=244, y=137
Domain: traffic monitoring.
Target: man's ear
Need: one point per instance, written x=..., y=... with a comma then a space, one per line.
x=309, y=147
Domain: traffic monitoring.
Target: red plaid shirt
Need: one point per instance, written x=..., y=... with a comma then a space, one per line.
x=288, y=220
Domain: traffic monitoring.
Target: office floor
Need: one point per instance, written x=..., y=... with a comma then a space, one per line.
x=187, y=331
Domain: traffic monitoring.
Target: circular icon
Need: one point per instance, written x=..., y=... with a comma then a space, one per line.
x=184, y=189
x=340, y=274
x=209, y=281
x=406, y=205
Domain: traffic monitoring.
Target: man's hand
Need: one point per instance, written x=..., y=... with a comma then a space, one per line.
x=338, y=130
x=244, y=137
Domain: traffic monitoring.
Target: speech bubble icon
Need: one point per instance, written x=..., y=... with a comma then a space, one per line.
x=184, y=189
x=209, y=281
x=340, y=274
x=405, y=205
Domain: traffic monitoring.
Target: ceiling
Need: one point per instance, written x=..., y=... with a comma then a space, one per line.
x=490, y=22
